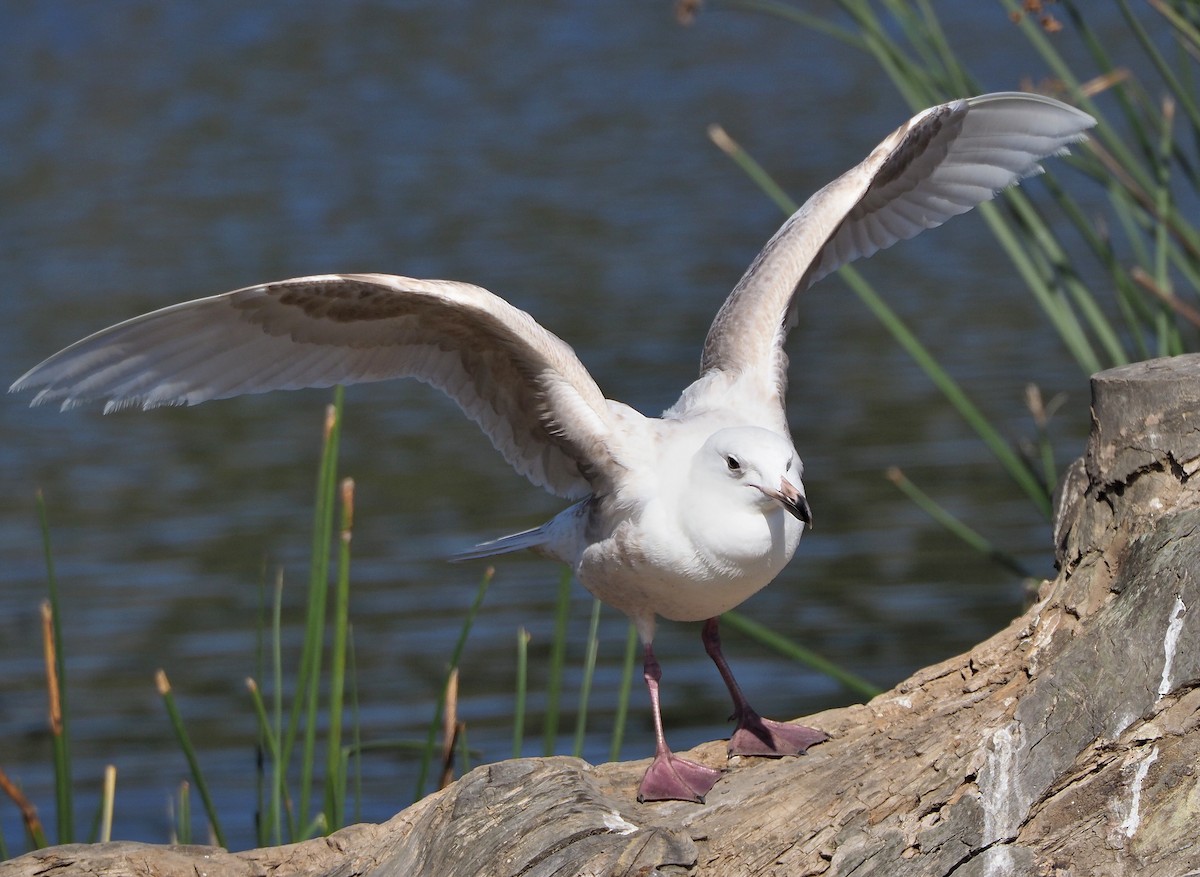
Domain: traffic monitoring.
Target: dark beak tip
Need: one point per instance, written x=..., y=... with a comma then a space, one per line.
x=793, y=501
x=799, y=509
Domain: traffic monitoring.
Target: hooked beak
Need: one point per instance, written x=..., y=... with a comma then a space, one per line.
x=792, y=500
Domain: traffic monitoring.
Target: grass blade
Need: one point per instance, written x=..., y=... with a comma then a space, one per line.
x=309, y=683
x=764, y=635
x=522, y=691
x=558, y=659
x=56, y=677
x=335, y=772
x=752, y=169
x=185, y=743
x=356, y=747
x=589, y=671
x=278, y=760
x=271, y=823
x=791, y=13
x=1166, y=69
x=1013, y=464
x=183, y=814
x=623, y=693
x=972, y=538
x=62, y=761
x=464, y=750
x=435, y=725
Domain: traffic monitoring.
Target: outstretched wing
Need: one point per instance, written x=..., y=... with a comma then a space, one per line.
x=522, y=384
x=941, y=163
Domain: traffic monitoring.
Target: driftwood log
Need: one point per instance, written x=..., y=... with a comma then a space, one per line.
x=1067, y=744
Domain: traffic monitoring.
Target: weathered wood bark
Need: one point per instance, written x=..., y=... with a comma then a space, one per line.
x=1067, y=744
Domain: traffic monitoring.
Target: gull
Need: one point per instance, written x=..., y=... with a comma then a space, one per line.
x=682, y=516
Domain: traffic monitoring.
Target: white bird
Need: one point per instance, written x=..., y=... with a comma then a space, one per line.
x=682, y=516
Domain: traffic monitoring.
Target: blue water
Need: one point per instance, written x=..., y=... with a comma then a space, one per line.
x=556, y=154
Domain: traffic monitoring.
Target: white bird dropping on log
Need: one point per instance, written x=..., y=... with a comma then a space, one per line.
x=682, y=516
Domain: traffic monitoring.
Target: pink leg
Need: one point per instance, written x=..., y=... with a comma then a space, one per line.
x=754, y=735
x=669, y=777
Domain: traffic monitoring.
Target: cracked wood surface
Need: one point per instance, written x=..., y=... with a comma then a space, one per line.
x=1066, y=744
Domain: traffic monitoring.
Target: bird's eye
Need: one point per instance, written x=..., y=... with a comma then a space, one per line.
x=732, y=462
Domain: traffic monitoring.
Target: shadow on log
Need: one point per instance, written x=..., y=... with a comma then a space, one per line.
x=1067, y=744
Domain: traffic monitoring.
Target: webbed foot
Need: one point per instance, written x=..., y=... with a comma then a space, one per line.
x=755, y=735
x=671, y=778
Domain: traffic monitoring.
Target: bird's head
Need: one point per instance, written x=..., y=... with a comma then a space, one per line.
x=749, y=466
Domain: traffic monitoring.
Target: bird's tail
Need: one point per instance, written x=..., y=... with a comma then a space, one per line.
x=534, y=539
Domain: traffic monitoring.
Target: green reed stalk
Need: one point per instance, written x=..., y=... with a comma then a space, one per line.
x=558, y=660
x=260, y=671
x=767, y=637
x=1165, y=68
x=1017, y=468
x=915, y=52
x=522, y=691
x=464, y=750
x=279, y=764
x=271, y=824
x=1043, y=451
x=355, y=748
x=272, y=797
x=1162, y=203
x=189, y=752
x=335, y=772
x=93, y=834
x=813, y=22
x=589, y=671
x=305, y=709
x=1132, y=161
x=56, y=676
x=183, y=814
x=435, y=725
x=623, y=693
x=939, y=513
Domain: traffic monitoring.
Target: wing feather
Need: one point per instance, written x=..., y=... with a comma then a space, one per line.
x=520, y=383
x=941, y=163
